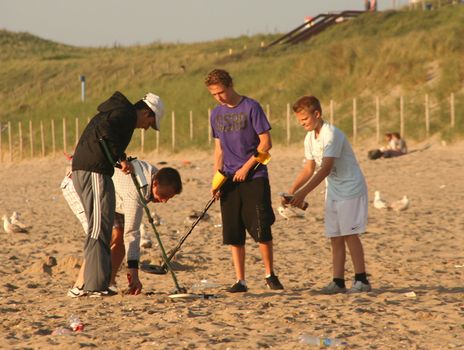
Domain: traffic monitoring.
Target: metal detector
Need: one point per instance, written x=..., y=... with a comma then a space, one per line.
x=178, y=290
x=218, y=180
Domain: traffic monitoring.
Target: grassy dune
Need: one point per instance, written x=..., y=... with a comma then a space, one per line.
x=387, y=54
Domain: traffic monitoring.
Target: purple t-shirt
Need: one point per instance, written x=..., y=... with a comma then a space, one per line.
x=238, y=128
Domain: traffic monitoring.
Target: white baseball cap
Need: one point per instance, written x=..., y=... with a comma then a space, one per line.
x=156, y=105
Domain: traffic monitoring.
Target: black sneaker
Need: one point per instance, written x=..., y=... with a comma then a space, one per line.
x=237, y=288
x=273, y=282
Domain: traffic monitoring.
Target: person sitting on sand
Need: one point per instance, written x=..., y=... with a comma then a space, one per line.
x=164, y=184
x=397, y=147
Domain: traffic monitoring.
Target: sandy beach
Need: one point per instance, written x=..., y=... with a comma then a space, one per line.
x=418, y=250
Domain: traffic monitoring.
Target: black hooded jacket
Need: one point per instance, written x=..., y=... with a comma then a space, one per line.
x=115, y=123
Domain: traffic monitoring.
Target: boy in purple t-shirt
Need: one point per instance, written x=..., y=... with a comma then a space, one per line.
x=240, y=129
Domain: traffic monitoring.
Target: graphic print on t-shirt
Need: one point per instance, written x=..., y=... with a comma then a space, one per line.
x=231, y=122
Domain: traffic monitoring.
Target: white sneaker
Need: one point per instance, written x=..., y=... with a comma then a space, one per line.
x=359, y=287
x=76, y=292
x=332, y=288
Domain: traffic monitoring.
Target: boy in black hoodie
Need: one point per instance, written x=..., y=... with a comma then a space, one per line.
x=92, y=171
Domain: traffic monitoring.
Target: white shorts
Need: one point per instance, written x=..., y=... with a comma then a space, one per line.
x=346, y=217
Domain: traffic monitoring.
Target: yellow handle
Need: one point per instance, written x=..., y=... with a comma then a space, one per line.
x=218, y=180
x=262, y=157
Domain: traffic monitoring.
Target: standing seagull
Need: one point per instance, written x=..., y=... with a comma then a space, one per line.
x=379, y=203
x=12, y=228
x=400, y=205
x=15, y=220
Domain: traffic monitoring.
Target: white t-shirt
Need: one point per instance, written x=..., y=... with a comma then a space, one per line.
x=346, y=179
x=128, y=204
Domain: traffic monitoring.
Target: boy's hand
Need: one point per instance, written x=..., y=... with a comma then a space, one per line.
x=241, y=174
x=126, y=167
x=216, y=193
x=135, y=286
x=285, y=198
x=298, y=199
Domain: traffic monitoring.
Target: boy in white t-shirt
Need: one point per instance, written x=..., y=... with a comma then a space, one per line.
x=327, y=148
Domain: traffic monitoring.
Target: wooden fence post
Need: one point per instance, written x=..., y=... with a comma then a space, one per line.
x=427, y=116
x=20, y=135
x=10, y=145
x=42, y=139
x=142, y=140
x=31, y=139
x=402, y=116
x=157, y=141
x=288, y=124
x=191, y=125
x=331, y=112
x=64, y=135
x=173, y=130
x=53, y=138
x=377, y=119
x=355, y=122
x=77, y=131
x=452, y=111
x=1, y=151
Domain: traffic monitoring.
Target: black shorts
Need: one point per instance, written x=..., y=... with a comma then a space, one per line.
x=246, y=206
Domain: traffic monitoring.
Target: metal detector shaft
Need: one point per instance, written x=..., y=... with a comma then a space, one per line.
x=160, y=244
x=147, y=211
x=184, y=237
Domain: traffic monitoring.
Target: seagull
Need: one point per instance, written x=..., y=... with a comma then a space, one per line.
x=15, y=220
x=145, y=240
x=12, y=228
x=290, y=212
x=379, y=203
x=400, y=205
x=156, y=218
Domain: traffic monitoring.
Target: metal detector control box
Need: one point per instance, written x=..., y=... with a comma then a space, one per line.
x=139, y=175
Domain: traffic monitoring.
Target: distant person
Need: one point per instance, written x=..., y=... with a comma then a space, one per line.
x=163, y=184
x=367, y=5
x=240, y=129
x=328, y=150
x=370, y=5
x=113, y=125
x=397, y=147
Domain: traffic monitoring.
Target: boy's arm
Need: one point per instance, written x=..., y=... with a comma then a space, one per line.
x=265, y=144
x=303, y=176
x=218, y=160
x=326, y=167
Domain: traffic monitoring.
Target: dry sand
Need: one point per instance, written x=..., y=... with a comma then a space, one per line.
x=419, y=250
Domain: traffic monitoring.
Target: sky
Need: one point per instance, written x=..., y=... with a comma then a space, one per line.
x=123, y=22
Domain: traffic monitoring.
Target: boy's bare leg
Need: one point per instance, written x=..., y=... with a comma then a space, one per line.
x=80, y=276
x=238, y=257
x=118, y=252
x=356, y=252
x=338, y=256
x=268, y=257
